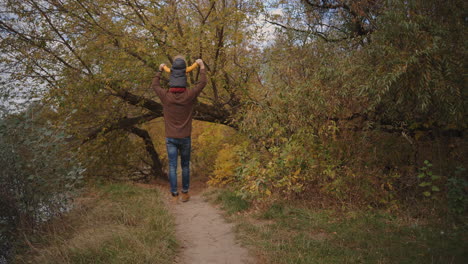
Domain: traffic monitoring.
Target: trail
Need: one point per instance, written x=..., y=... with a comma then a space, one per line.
x=204, y=235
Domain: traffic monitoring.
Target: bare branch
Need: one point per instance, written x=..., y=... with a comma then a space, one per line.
x=315, y=33
x=123, y=123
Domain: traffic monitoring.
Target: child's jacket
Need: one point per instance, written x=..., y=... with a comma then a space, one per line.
x=178, y=72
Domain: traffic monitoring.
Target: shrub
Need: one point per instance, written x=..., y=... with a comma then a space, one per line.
x=38, y=176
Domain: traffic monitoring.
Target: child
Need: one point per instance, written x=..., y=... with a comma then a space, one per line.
x=178, y=78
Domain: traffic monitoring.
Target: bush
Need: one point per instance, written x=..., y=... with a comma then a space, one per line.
x=38, y=175
x=457, y=192
x=354, y=119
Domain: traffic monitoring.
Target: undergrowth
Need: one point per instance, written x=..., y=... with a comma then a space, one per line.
x=112, y=223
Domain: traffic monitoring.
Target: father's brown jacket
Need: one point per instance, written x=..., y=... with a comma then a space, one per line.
x=178, y=107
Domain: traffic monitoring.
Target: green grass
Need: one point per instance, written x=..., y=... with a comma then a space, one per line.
x=284, y=233
x=231, y=203
x=113, y=223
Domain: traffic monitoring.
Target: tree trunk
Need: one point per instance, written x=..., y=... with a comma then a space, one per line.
x=156, y=161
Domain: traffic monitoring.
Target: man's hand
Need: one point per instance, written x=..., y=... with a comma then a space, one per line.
x=200, y=62
x=161, y=67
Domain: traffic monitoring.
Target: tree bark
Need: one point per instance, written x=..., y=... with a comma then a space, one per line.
x=149, y=146
x=123, y=123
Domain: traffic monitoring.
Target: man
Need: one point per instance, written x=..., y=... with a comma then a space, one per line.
x=178, y=111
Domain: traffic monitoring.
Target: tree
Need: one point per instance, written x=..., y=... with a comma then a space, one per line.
x=402, y=61
x=353, y=112
x=97, y=58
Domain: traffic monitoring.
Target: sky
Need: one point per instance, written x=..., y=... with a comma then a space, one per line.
x=267, y=31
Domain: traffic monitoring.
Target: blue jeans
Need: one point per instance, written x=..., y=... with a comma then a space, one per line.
x=174, y=147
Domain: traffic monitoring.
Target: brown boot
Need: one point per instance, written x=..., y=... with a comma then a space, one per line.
x=185, y=197
x=175, y=199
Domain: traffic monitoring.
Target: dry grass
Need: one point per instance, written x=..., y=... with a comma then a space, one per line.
x=112, y=223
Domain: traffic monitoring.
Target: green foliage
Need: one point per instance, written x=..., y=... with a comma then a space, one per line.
x=39, y=176
x=428, y=179
x=457, y=192
x=232, y=202
x=114, y=156
x=413, y=71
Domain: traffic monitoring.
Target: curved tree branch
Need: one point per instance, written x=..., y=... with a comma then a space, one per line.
x=123, y=123
x=149, y=146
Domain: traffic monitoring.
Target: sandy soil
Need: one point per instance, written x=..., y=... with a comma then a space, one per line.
x=205, y=236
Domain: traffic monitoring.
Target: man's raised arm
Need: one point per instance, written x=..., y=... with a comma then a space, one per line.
x=202, y=82
x=156, y=85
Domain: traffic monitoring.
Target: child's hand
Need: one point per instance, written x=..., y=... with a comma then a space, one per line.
x=161, y=67
x=200, y=62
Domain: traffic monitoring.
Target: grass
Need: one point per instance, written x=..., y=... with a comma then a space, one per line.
x=112, y=223
x=231, y=203
x=286, y=233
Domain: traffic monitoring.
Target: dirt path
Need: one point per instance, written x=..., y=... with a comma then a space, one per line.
x=205, y=236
